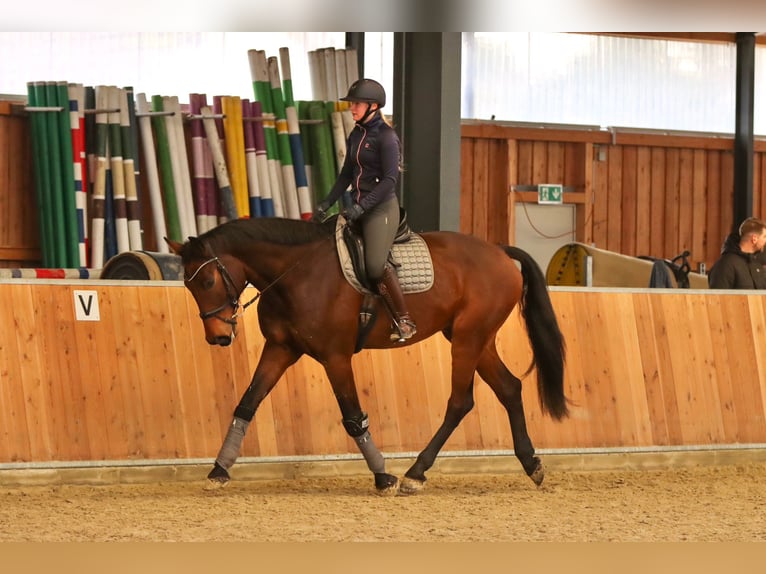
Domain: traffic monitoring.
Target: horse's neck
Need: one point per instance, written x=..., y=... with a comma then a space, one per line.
x=267, y=263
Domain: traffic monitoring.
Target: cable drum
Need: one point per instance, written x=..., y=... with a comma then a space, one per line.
x=143, y=266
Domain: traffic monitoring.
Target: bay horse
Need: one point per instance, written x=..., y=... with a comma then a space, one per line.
x=307, y=307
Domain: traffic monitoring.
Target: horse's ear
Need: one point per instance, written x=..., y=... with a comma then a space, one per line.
x=175, y=246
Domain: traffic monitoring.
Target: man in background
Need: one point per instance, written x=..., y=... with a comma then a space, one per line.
x=741, y=264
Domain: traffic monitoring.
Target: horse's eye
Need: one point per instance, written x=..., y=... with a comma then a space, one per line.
x=208, y=283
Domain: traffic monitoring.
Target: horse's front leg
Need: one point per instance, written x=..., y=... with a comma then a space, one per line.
x=274, y=361
x=356, y=423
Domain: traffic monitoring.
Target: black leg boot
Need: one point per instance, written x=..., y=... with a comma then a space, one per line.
x=391, y=291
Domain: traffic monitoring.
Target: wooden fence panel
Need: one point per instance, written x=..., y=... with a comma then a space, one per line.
x=647, y=194
x=644, y=369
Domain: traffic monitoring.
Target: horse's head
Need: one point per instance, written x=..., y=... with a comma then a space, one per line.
x=215, y=288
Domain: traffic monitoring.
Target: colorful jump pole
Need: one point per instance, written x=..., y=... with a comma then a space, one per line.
x=294, y=134
x=98, y=168
x=152, y=172
x=259, y=72
x=219, y=164
x=165, y=163
x=180, y=165
x=199, y=173
x=283, y=140
x=133, y=208
x=118, y=173
x=251, y=161
x=262, y=162
x=77, y=124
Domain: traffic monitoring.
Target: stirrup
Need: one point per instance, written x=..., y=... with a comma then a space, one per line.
x=403, y=329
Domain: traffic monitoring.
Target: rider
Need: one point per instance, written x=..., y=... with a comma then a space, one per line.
x=371, y=168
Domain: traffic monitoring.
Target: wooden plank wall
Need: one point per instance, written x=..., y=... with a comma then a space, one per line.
x=644, y=368
x=19, y=231
x=636, y=193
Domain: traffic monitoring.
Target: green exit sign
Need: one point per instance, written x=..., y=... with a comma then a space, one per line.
x=550, y=193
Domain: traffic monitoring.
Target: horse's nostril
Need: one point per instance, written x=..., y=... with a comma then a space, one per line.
x=221, y=340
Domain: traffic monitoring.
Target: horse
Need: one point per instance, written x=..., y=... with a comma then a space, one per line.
x=307, y=307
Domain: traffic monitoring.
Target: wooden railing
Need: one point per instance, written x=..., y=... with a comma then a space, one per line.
x=644, y=368
x=635, y=193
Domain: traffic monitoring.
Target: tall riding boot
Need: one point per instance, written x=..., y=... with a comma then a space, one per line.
x=391, y=291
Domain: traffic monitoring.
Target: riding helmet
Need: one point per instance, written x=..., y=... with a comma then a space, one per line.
x=366, y=90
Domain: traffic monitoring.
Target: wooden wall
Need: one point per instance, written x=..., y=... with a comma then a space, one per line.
x=644, y=368
x=635, y=193
x=19, y=234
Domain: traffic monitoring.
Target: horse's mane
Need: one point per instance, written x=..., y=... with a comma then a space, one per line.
x=278, y=230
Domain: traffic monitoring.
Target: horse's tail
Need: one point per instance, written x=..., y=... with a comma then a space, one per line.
x=548, y=346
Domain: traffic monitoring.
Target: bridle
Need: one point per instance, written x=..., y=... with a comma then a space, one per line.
x=231, y=290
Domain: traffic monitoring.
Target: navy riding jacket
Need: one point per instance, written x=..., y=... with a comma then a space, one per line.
x=371, y=167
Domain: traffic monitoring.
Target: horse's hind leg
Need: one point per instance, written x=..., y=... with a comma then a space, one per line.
x=459, y=404
x=507, y=388
x=274, y=360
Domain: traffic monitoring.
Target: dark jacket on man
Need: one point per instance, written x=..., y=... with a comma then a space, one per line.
x=737, y=270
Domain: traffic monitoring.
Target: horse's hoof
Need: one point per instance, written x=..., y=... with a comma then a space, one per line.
x=216, y=483
x=386, y=484
x=538, y=474
x=217, y=478
x=411, y=486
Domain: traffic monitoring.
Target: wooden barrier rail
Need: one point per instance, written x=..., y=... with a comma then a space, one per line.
x=645, y=368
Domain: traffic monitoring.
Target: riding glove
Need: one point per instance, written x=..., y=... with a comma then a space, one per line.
x=320, y=213
x=354, y=212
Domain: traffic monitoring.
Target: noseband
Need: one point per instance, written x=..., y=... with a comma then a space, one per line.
x=231, y=289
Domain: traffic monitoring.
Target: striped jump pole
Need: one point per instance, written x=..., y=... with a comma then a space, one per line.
x=211, y=187
x=308, y=150
x=179, y=165
x=110, y=229
x=165, y=164
x=259, y=72
x=132, y=206
x=262, y=161
x=77, y=125
x=134, y=147
x=118, y=174
x=152, y=171
x=283, y=141
x=98, y=168
x=251, y=161
x=229, y=208
x=199, y=172
x=294, y=134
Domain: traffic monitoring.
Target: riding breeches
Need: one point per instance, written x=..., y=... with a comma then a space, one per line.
x=379, y=226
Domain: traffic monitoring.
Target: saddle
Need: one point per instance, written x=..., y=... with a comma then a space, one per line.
x=409, y=256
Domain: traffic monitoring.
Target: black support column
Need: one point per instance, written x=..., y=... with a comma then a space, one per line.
x=426, y=108
x=743, y=132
